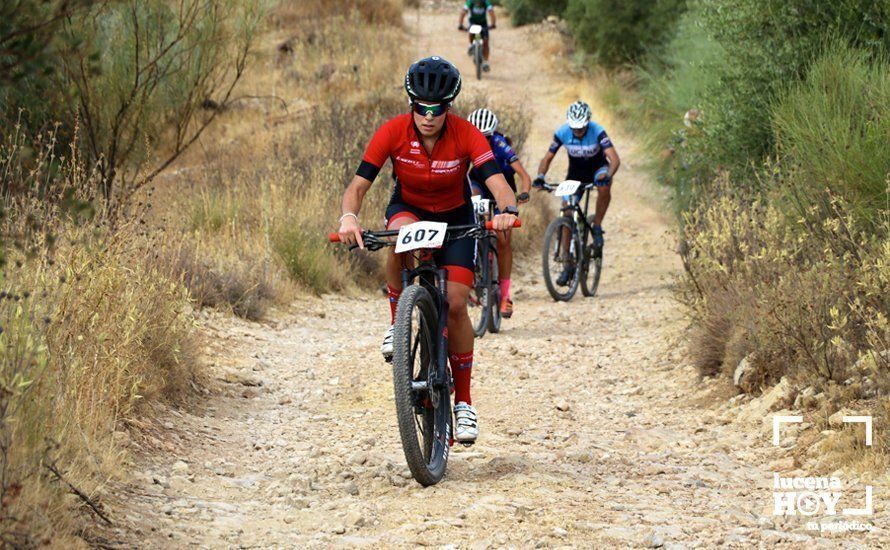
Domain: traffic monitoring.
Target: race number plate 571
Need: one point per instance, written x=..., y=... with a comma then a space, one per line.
x=566, y=188
x=421, y=235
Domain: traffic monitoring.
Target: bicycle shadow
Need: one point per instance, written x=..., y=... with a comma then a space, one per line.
x=492, y=470
x=634, y=291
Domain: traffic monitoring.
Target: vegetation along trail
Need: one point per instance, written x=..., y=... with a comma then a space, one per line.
x=594, y=431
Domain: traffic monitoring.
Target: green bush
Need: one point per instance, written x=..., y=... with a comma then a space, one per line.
x=523, y=12
x=832, y=132
x=768, y=45
x=670, y=85
x=618, y=32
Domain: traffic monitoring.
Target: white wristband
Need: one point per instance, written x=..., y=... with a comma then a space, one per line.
x=348, y=214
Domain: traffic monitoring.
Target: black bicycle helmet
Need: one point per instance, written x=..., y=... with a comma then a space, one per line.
x=432, y=79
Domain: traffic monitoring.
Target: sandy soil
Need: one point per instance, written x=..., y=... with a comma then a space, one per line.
x=594, y=430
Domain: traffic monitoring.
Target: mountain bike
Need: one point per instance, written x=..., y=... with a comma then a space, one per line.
x=477, y=48
x=422, y=379
x=569, y=246
x=485, y=298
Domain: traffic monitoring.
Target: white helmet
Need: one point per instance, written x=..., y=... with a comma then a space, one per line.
x=484, y=120
x=578, y=115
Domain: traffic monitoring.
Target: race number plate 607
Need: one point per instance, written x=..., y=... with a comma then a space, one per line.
x=420, y=235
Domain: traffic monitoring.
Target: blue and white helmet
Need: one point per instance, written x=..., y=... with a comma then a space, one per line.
x=578, y=115
x=485, y=120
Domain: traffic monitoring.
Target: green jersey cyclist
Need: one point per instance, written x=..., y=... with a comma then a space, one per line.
x=480, y=11
x=431, y=151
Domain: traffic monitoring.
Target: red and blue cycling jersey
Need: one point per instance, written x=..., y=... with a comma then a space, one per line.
x=505, y=156
x=435, y=182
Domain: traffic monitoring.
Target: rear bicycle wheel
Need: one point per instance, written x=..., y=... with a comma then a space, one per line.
x=423, y=403
x=494, y=302
x=592, y=265
x=556, y=259
x=480, y=296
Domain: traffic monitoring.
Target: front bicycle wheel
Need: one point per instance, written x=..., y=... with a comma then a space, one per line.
x=480, y=296
x=494, y=302
x=423, y=399
x=561, y=258
x=592, y=265
x=477, y=59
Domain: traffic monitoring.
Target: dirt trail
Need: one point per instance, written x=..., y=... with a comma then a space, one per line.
x=635, y=454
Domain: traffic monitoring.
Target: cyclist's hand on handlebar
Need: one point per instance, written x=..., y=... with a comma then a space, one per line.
x=502, y=222
x=492, y=27
x=539, y=182
x=522, y=198
x=461, y=28
x=351, y=232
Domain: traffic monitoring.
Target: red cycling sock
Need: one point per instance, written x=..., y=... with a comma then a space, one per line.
x=505, y=289
x=461, y=369
x=393, y=301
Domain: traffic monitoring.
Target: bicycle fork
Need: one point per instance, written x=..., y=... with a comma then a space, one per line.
x=442, y=378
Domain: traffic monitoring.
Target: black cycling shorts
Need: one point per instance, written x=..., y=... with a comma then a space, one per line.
x=458, y=257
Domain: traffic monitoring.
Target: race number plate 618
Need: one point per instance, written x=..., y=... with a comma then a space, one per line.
x=420, y=235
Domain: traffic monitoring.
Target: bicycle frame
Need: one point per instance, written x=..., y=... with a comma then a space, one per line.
x=434, y=279
x=578, y=213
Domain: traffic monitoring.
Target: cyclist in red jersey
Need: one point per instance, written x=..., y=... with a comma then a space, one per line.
x=431, y=151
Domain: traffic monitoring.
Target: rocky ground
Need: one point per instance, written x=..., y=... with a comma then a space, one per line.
x=594, y=430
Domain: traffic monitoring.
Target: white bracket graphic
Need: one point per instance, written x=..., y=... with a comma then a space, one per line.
x=778, y=420
x=864, y=420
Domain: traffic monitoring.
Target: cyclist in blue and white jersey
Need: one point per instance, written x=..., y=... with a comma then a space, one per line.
x=592, y=159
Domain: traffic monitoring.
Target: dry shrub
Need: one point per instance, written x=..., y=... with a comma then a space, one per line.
x=91, y=329
x=806, y=297
x=223, y=279
x=276, y=209
x=293, y=14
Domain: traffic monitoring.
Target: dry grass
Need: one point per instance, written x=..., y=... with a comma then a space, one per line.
x=91, y=330
x=266, y=186
x=804, y=298
x=302, y=13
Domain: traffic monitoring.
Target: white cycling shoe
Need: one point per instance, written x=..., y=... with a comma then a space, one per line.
x=466, y=429
x=386, y=346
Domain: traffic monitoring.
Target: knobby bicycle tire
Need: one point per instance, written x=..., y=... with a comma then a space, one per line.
x=428, y=459
x=590, y=282
x=481, y=292
x=554, y=230
x=494, y=293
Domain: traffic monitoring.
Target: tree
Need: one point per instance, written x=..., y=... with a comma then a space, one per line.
x=140, y=84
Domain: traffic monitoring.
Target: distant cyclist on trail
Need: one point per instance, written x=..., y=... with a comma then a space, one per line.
x=592, y=159
x=431, y=151
x=480, y=11
x=510, y=165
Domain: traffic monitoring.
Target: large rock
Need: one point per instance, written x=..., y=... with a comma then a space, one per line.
x=743, y=377
x=779, y=396
x=837, y=419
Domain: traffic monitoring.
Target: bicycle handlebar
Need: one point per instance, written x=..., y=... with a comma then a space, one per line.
x=335, y=237
x=551, y=187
